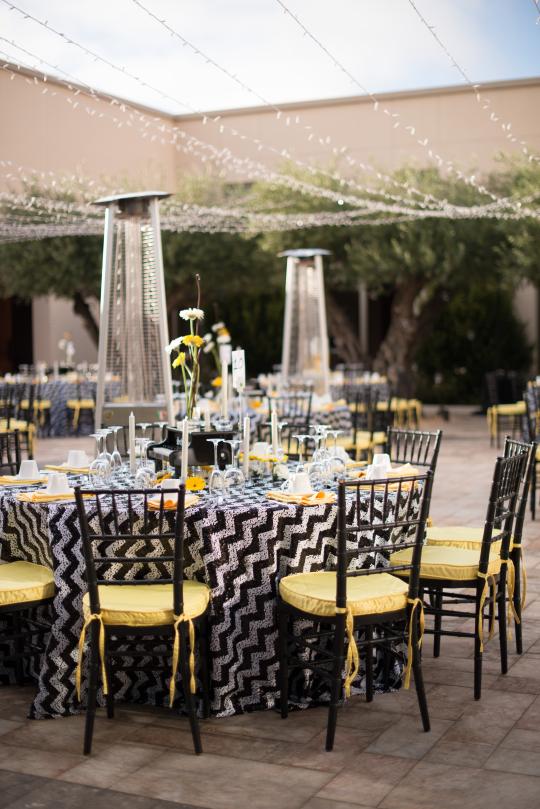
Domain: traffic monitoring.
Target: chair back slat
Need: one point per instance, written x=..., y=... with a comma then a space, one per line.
x=122, y=532
x=10, y=452
x=389, y=515
x=417, y=447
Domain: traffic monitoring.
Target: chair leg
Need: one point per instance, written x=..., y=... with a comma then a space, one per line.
x=438, y=599
x=283, y=624
x=518, y=627
x=369, y=664
x=110, y=679
x=93, y=673
x=337, y=684
x=501, y=610
x=477, y=650
x=189, y=697
x=533, y=492
x=204, y=657
x=18, y=648
x=419, y=681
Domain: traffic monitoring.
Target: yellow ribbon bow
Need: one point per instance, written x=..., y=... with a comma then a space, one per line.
x=416, y=603
x=93, y=617
x=178, y=619
x=352, y=663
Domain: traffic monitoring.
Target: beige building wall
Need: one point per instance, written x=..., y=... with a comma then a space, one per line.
x=51, y=318
x=48, y=128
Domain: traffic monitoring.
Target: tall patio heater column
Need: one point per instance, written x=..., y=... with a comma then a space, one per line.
x=133, y=329
x=305, y=335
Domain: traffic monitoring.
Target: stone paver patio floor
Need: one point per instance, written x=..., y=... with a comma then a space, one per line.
x=478, y=754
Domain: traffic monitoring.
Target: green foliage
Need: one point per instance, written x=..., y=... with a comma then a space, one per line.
x=477, y=331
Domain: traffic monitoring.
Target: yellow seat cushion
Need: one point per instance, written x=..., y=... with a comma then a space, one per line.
x=459, y=536
x=80, y=404
x=22, y=582
x=365, y=440
x=148, y=604
x=315, y=593
x=445, y=562
x=515, y=409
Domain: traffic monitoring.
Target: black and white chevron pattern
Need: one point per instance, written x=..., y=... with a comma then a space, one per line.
x=239, y=549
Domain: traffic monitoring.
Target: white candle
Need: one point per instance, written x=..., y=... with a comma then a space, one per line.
x=224, y=390
x=196, y=413
x=132, y=458
x=207, y=423
x=245, y=448
x=185, y=442
x=274, y=430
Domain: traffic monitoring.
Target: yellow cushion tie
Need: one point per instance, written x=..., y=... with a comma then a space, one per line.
x=178, y=619
x=523, y=573
x=416, y=603
x=488, y=579
x=353, y=659
x=93, y=617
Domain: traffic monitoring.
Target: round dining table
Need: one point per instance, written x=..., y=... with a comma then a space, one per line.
x=240, y=548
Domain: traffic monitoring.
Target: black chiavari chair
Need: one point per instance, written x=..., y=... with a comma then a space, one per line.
x=447, y=572
x=116, y=526
x=10, y=452
x=531, y=397
x=359, y=609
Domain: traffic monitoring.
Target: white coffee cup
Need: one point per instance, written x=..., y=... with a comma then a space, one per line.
x=380, y=467
x=58, y=483
x=260, y=448
x=28, y=470
x=77, y=459
x=299, y=483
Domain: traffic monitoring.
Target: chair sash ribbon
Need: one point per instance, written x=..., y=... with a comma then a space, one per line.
x=178, y=619
x=352, y=663
x=523, y=573
x=489, y=580
x=93, y=617
x=416, y=603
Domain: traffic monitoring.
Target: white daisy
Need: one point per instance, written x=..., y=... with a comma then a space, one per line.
x=173, y=344
x=191, y=314
x=218, y=326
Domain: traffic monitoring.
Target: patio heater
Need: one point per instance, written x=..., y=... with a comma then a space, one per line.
x=133, y=329
x=305, y=334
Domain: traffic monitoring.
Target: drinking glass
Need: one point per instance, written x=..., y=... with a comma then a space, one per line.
x=116, y=458
x=234, y=477
x=337, y=464
x=144, y=425
x=301, y=438
x=99, y=471
x=145, y=476
x=216, y=484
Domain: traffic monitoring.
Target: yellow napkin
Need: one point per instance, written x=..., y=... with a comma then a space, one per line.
x=313, y=499
x=407, y=470
x=356, y=464
x=13, y=480
x=71, y=470
x=43, y=497
x=169, y=503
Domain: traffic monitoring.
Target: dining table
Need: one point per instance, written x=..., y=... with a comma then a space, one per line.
x=239, y=547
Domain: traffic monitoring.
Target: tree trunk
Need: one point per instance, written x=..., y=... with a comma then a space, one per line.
x=346, y=346
x=81, y=308
x=412, y=313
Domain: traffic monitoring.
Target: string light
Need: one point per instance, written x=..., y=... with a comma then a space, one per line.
x=484, y=102
x=216, y=120
x=394, y=118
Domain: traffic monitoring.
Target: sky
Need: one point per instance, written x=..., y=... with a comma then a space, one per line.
x=381, y=42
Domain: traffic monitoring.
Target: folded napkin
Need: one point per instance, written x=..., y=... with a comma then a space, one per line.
x=13, y=480
x=71, y=470
x=407, y=470
x=313, y=499
x=170, y=500
x=356, y=464
x=43, y=497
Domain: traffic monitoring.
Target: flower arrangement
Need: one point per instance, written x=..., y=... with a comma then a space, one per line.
x=218, y=336
x=194, y=483
x=188, y=351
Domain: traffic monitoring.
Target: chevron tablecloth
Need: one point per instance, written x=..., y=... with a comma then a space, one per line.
x=239, y=549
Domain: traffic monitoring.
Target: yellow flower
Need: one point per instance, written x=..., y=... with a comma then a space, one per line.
x=192, y=340
x=195, y=484
x=179, y=360
x=216, y=382
x=223, y=332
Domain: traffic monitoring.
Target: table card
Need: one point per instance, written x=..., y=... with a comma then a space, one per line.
x=239, y=370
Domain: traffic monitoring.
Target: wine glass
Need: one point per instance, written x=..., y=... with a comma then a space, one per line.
x=145, y=476
x=301, y=439
x=144, y=425
x=234, y=477
x=337, y=464
x=99, y=471
x=216, y=484
x=116, y=458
